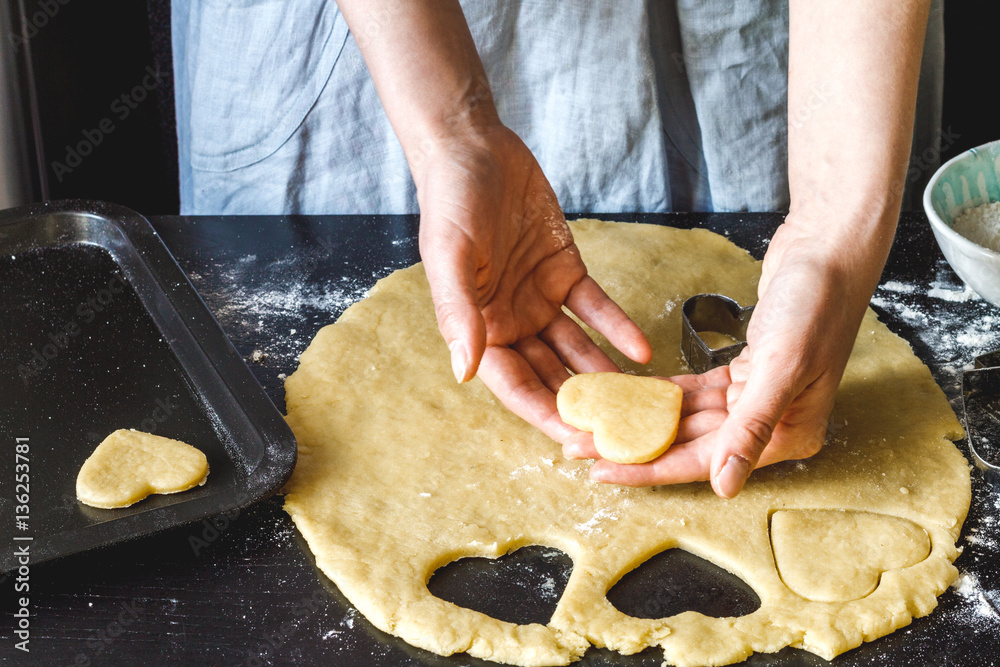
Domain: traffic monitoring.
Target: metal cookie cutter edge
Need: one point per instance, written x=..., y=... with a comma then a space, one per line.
x=712, y=312
x=981, y=384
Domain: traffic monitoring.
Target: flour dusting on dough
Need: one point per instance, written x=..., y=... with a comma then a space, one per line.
x=524, y=470
x=597, y=521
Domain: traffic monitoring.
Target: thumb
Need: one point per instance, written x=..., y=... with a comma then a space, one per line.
x=746, y=432
x=452, y=283
x=464, y=331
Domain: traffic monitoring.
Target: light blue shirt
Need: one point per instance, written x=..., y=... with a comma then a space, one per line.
x=627, y=105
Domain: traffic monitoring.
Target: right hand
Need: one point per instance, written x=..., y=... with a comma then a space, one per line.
x=502, y=263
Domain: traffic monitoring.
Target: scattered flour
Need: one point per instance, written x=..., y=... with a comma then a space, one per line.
x=548, y=589
x=980, y=224
x=896, y=286
x=948, y=338
x=256, y=296
x=968, y=588
x=938, y=291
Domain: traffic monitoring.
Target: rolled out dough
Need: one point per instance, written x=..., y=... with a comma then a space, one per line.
x=633, y=418
x=129, y=465
x=401, y=471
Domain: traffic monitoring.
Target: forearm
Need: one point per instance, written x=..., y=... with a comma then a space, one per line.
x=426, y=70
x=852, y=86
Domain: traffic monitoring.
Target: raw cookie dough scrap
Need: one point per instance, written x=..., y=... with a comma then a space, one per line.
x=130, y=465
x=402, y=471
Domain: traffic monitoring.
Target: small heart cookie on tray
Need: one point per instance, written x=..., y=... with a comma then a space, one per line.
x=130, y=465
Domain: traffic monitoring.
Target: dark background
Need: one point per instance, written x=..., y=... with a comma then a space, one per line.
x=88, y=53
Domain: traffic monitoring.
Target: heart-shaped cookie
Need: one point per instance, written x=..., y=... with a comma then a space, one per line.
x=633, y=418
x=130, y=465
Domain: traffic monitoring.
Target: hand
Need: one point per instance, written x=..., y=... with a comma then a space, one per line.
x=773, y=402
x=501, y=263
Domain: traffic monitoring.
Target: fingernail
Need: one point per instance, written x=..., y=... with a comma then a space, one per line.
x=733, y=476
x=459, y=361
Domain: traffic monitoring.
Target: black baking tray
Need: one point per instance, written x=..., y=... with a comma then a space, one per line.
x=102, y=330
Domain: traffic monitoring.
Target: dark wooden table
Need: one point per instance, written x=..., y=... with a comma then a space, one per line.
x=241, y=589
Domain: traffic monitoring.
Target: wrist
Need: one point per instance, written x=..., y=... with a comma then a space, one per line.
x=862, y=230
x=477, y=147
x=851, y=250
x=466, y=119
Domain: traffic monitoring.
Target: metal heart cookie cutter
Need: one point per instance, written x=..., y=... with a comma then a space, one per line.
x=981, y=402
x=712, y=313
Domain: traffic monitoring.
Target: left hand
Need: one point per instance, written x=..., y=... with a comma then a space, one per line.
x=773, y=402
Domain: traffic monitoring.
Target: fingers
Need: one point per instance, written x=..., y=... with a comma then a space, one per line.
x=576, y=349
x=595, y=308
x=581, y=447
x=564, y=344
x=699, y=425
x=747, y=431
x=717, y=377
x=546, y=364
x=684, y=462
x=464, y=331
x=512, y=380
x=705, y=399
x=526, y=377
x=802, y=430
x=459, y=319
x=693, y=428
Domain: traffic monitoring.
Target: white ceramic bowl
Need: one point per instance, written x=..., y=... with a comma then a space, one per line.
x=967, y=180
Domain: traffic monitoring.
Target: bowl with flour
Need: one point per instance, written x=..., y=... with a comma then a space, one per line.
x=962, y=202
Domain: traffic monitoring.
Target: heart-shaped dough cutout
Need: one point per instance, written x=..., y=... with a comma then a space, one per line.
x=838, y=556
x=716, y=340
x=633, y=418
x=130, y=465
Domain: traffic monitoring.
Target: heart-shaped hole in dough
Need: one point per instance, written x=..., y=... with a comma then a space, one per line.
x=523, y=586
x=838, y=555
x=675, y=581
x=633, y=418
x=130, y=465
